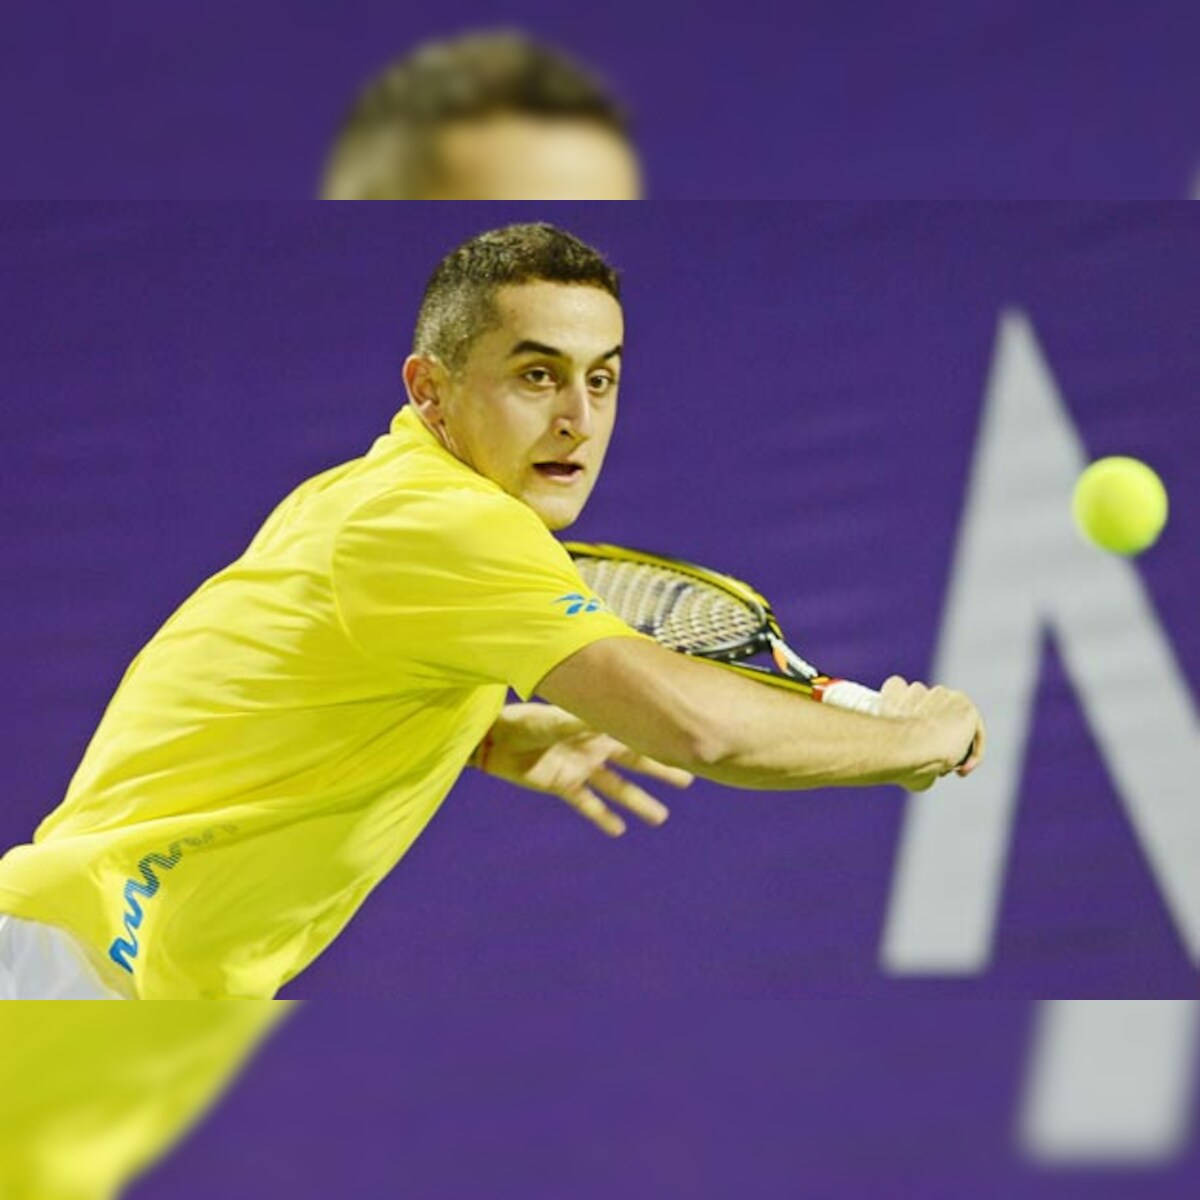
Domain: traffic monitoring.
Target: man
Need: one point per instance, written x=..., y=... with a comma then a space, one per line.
x=485, y=116
x=282, y=740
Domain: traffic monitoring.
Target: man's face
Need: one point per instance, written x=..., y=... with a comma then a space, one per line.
x=533, y=406
x=512, y=156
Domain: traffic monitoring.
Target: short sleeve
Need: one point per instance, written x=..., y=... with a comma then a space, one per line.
x=462, y=588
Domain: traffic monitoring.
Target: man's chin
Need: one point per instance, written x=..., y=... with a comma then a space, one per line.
x=557, y=521
x=555, y=515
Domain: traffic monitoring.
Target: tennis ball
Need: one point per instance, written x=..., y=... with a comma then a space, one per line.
x=1120, y=504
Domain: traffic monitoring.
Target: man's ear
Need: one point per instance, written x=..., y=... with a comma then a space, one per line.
x=425, y=380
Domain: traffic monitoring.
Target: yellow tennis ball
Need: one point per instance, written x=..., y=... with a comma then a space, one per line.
x=1120, y=504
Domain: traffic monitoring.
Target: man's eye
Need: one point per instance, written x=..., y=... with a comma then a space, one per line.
x=600, y=382
x=540, y=372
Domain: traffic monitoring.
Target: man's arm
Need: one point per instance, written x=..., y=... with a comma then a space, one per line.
x=750, y=735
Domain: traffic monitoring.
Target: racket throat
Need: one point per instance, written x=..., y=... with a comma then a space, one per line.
x=790, y=663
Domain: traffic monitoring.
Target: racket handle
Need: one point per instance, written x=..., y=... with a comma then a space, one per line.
x=844, y=694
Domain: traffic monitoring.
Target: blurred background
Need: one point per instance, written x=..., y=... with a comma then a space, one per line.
x=601, y=1094
x=874, y=412
x=1004, y=98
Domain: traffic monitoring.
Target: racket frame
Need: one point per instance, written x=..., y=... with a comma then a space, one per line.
x=793, y=672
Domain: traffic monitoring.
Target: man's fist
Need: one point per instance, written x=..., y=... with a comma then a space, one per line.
x=954, y=728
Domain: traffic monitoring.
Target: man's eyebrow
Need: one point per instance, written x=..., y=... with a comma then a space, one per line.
x=529, y=347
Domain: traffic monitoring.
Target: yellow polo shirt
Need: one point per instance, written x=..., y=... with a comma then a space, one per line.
x=281, y=741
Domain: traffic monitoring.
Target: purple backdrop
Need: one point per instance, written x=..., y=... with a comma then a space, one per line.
x=595, y=1095
x=802, y=395
x=1008, y=98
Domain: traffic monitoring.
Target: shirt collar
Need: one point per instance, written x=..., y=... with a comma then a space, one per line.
x=407, y=421
x=408, y=424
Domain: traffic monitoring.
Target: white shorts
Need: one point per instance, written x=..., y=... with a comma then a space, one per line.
x=43, y=962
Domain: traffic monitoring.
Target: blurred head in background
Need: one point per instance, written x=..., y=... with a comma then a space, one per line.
x=485, y=116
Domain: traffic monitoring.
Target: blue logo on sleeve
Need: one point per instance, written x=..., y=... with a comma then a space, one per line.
x=576, y=602
x=125, y=949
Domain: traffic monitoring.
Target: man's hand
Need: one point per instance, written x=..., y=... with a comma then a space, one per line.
x=541, y=747
x=956, y=729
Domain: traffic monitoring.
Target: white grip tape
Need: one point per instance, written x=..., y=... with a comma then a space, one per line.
x=845, y=694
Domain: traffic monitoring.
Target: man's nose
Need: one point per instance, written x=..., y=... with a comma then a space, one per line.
x=574, y=416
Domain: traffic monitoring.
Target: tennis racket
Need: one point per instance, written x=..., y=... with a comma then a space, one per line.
x=709, y=615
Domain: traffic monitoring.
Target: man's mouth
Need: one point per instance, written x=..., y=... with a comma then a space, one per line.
x=558, y=470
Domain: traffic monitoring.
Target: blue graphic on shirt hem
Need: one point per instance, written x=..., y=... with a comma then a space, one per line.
x=124, y=950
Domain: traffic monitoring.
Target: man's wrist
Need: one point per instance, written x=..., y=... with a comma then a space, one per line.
x=923, y=746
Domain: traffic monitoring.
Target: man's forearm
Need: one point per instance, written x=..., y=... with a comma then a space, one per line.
x=728, y=728
x=778, y=740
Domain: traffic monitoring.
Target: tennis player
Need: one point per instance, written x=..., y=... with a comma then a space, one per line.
x=280, y=742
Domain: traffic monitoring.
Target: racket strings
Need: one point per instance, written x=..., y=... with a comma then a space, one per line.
x=673, y=608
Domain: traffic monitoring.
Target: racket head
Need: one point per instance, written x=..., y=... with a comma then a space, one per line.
x=685, y=607
x=698, y=611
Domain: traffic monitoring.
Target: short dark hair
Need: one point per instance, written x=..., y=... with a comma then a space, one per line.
x=459, y=300
x=386, y=148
